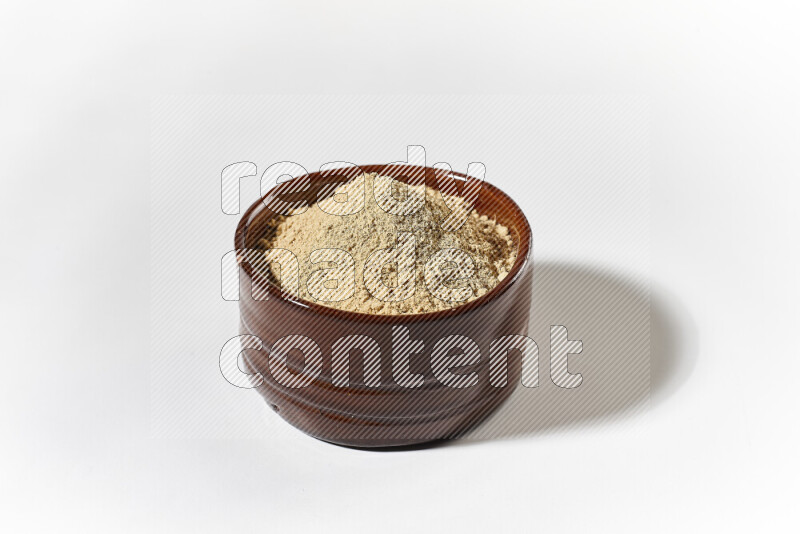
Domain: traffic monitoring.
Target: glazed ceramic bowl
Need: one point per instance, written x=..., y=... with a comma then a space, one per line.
x=388, y=414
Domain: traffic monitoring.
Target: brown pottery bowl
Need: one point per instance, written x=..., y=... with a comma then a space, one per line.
x=388, y=414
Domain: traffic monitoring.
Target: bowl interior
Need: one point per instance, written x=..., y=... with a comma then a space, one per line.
x=258, y=220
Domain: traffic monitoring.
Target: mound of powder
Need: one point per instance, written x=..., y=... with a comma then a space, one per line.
x=488, y=244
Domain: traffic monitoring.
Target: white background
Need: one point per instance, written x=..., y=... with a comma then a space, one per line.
x=718, y=448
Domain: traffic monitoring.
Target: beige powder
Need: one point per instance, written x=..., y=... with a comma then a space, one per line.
x=443, y=285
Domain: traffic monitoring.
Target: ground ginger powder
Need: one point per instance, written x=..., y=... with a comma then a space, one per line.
x=319, y=241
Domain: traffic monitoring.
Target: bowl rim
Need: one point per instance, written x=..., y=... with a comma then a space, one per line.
x=524, y=252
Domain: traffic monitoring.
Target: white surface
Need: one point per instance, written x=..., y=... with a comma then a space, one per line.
x=716, y=450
